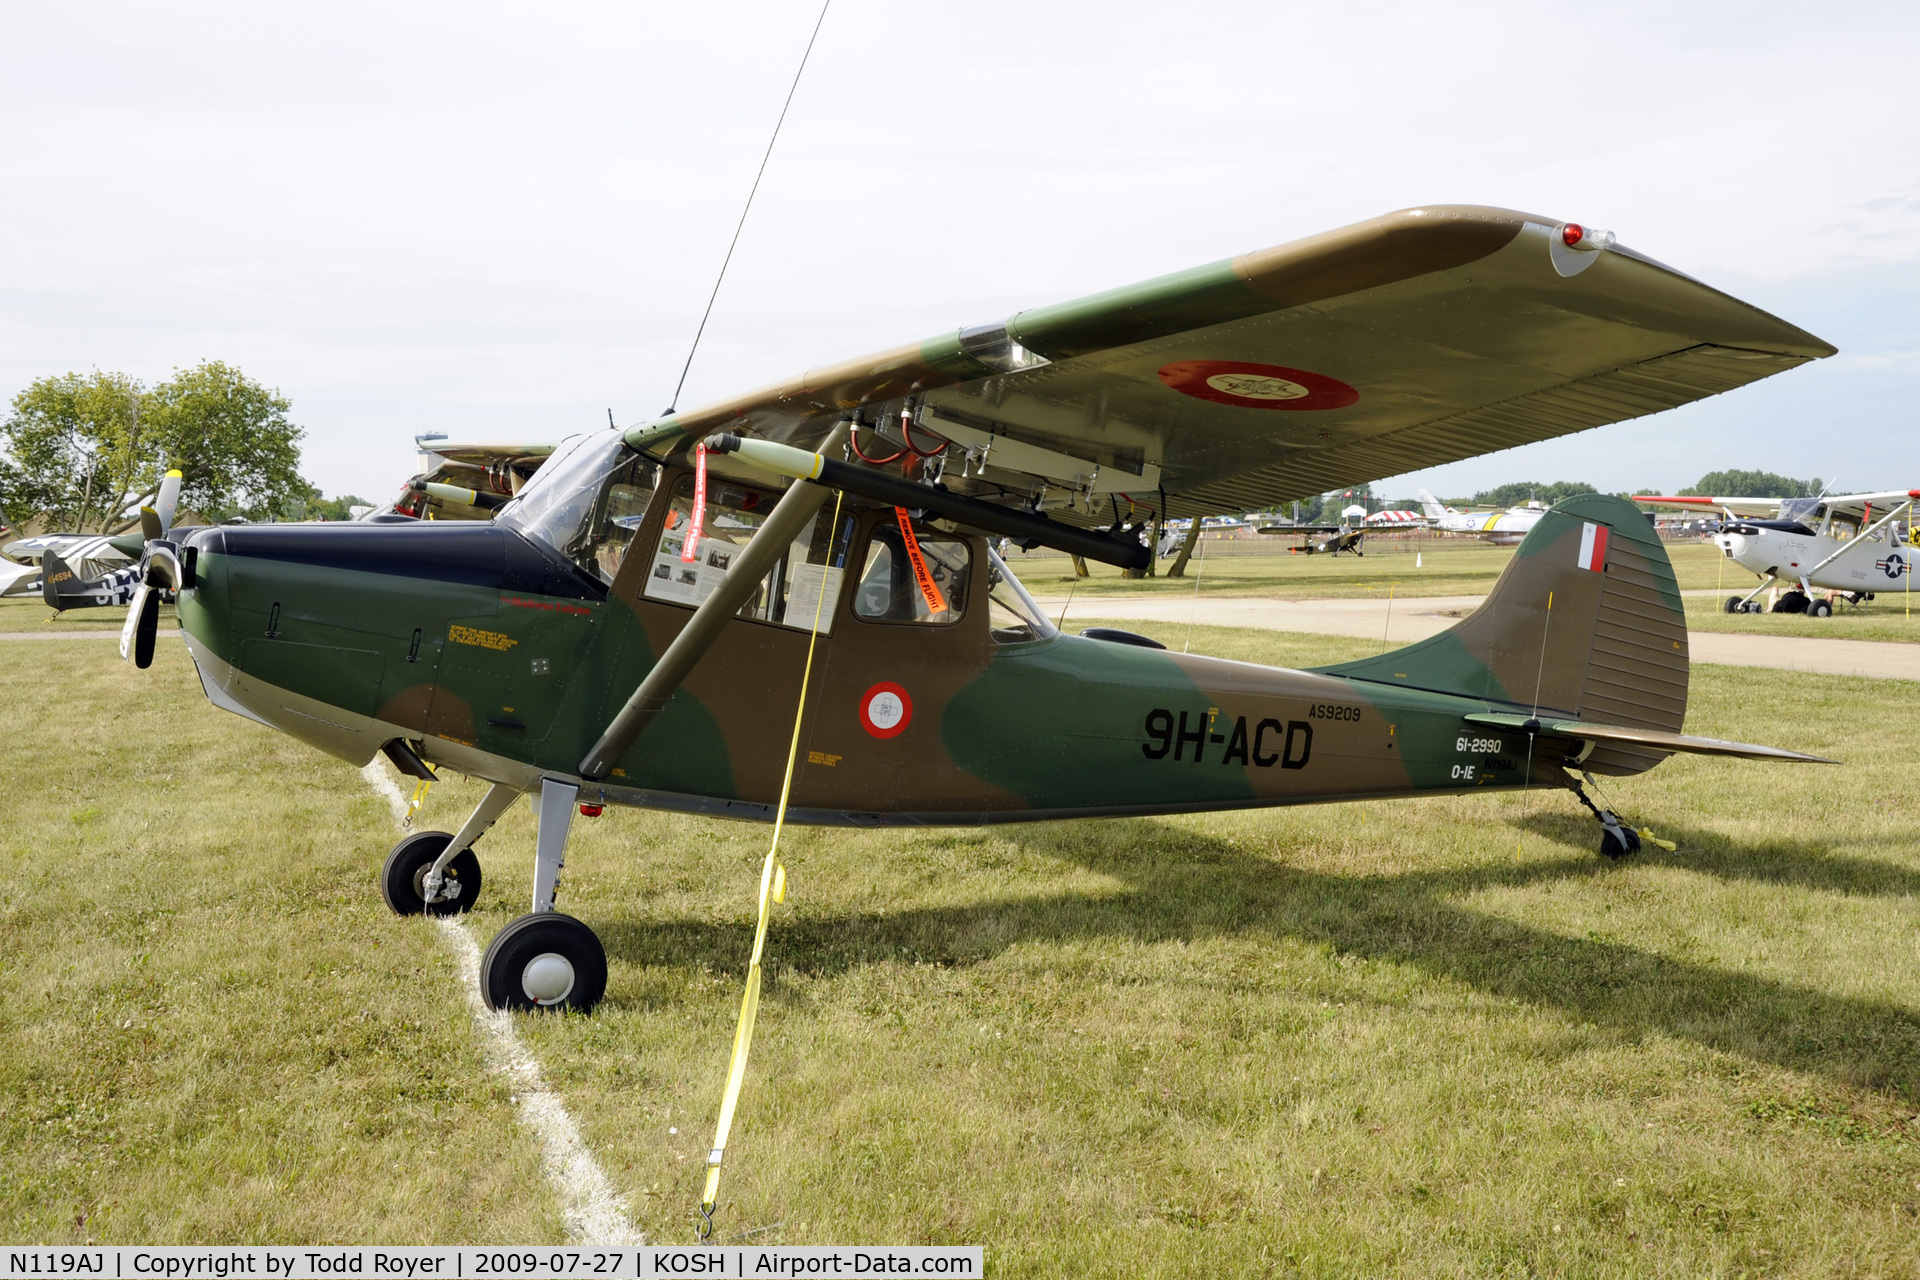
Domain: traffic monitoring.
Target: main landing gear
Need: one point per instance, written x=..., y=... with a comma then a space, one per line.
x=543, y=960
x=1617, y=839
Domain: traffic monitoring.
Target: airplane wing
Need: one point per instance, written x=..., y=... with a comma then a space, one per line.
x=1657, y=738
x=1757, y=507
x=1414, y=339
x=1858, y=505
x=468, y=480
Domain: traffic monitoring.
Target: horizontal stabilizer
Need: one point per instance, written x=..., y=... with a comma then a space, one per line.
x=1659, y=739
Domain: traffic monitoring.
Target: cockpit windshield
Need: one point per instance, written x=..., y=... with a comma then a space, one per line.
x=586, y=501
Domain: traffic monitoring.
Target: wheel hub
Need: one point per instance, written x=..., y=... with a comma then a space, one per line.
x=447, y=890
x=547, y=979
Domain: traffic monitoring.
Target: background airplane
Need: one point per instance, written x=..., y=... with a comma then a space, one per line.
x=1851, y=546
x=1505, y=526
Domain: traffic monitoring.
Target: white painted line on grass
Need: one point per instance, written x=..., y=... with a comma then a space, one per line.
x=594, y=1213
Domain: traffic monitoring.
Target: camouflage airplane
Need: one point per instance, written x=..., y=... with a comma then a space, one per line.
x=632, y=628
x=467, y=480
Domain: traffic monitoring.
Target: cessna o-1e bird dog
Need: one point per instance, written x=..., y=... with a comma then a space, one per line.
x=634, y=627
x=1834, y=544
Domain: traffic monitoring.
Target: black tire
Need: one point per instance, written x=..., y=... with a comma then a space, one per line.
x=1820, y=609
x=1611, y=847
x=402, y=880
x=519, y=973
x=1733, y=604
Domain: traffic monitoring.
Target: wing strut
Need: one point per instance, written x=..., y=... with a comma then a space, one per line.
x=790, y=515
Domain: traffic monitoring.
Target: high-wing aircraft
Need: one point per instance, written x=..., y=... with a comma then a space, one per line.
x=636, y=627
x=1346, y=536
x=1848, y=545
x=1506, y=526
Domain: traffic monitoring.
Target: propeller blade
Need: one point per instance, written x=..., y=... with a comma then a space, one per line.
x=145, y=606
x=150, y=524
x=167, y=504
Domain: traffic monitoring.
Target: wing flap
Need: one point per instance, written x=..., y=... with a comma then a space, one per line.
x=1659, y=739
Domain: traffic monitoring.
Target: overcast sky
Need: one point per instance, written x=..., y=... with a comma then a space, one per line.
x=502, y=220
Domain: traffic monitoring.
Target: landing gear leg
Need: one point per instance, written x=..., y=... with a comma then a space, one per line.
x=546, y=960
x=1617, y=839
x=436, y=885
x=553, y=810
x=1745, y=604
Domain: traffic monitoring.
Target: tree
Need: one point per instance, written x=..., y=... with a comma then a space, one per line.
x=75, y=444
x=230, y=439
x=88, y=450
x=1751, y=484
x=341, y=508
x=1512, y=495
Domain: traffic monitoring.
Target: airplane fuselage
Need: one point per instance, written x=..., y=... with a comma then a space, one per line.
x=1873, y=562
x=502, y=660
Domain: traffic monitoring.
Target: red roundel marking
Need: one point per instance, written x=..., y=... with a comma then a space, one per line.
x=886, y=710
x=1257, y=386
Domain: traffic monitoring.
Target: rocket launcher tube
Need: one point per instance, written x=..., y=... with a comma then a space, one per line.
x=898, y=491
x=454, y=493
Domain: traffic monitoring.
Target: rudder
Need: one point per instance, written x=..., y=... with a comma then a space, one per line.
x=1612, y=648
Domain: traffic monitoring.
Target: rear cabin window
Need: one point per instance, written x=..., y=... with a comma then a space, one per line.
x=894, y=589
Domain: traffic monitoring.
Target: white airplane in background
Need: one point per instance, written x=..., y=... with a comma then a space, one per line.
x=1509, y=525
x=87, y=556
x=1847, y=545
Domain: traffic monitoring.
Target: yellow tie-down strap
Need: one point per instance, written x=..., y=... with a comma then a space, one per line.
x=773, y=888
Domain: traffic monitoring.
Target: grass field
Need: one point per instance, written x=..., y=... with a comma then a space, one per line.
x=30, y=613
x=210, y=1029
x=1426, y=1038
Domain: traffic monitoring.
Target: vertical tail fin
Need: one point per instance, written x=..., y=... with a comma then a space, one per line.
x=62, y=588
x=1434, y=508
x=54, y=574
x=1586, y=621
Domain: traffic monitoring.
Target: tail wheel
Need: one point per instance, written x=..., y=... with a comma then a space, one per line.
x=403, y=879
x=1619, y=846
x=544, y=961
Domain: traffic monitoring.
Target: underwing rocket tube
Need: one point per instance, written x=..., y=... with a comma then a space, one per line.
x=454, y=493
x=769, y=542
x=898, y=491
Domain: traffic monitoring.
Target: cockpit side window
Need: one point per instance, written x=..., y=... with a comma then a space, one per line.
x=894, y=589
